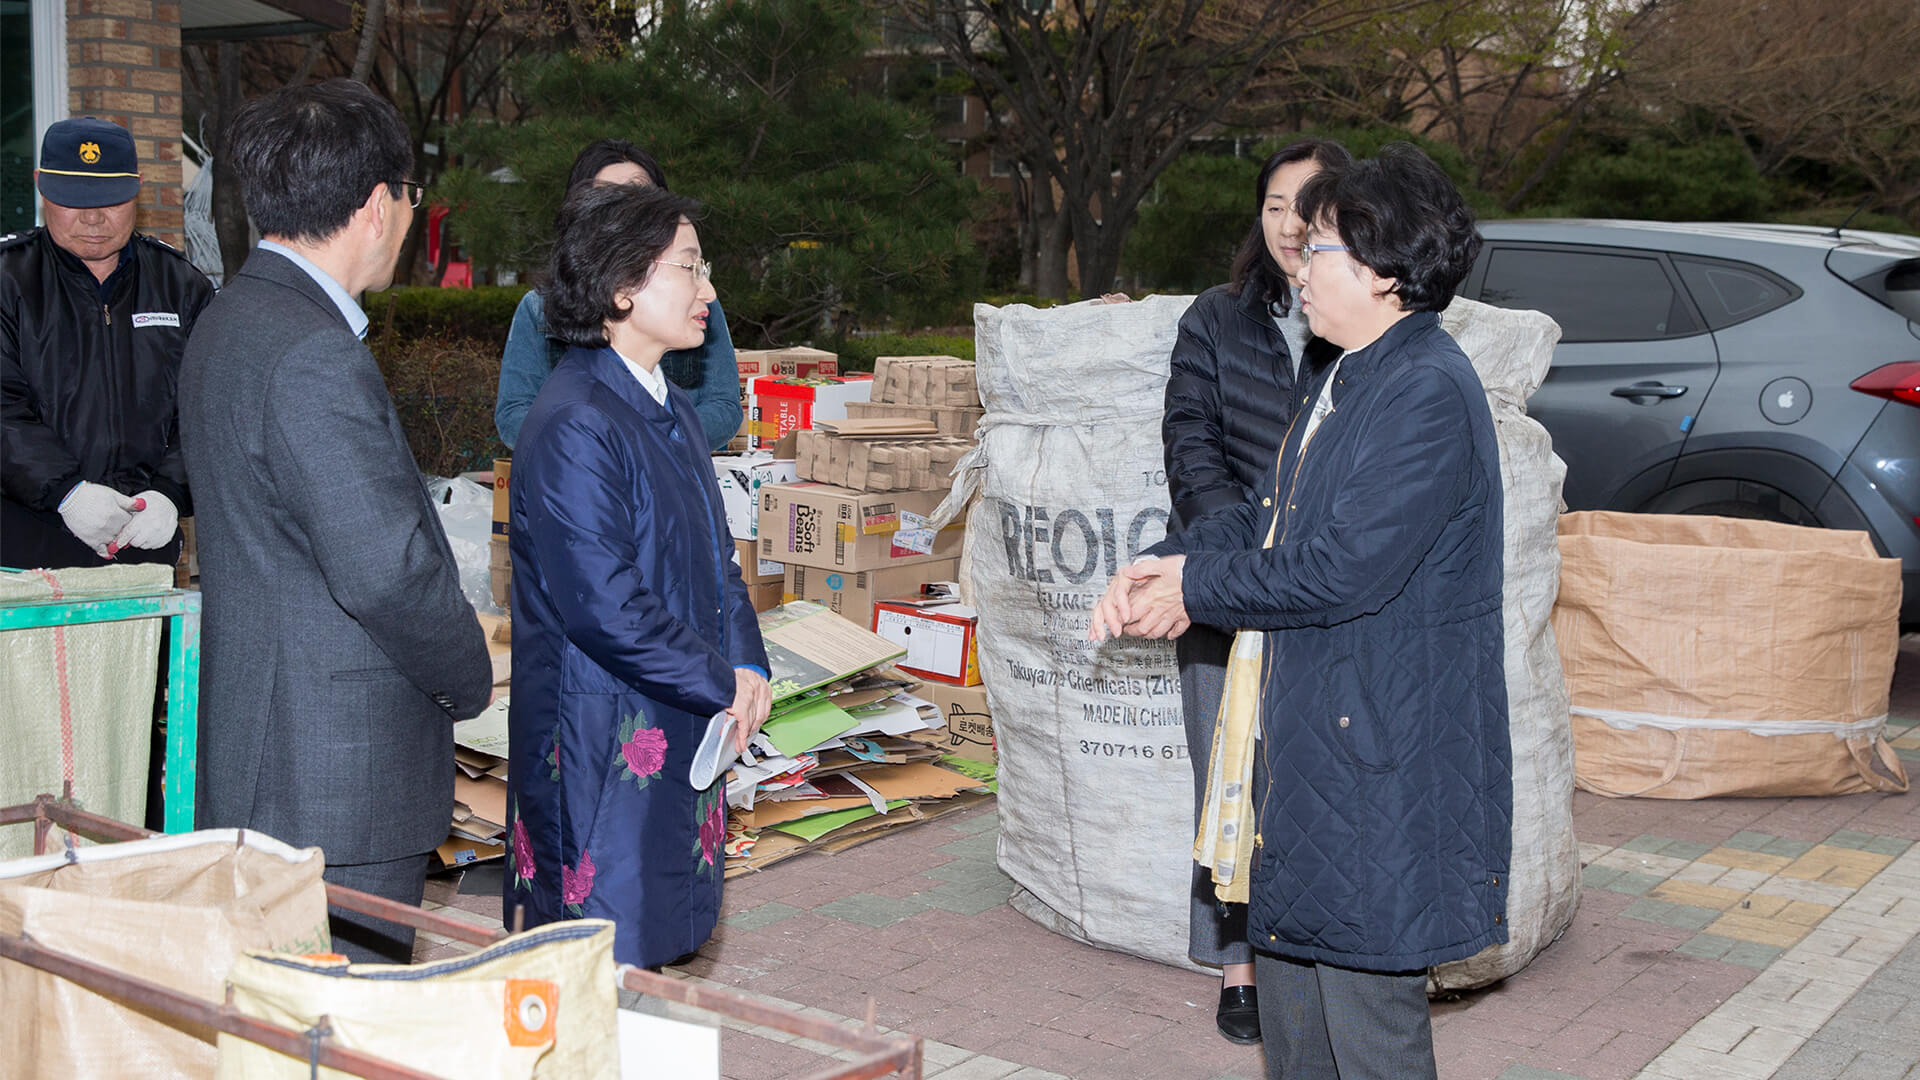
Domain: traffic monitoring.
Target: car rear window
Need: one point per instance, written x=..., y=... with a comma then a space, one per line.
x=1732, y=292
x=1903, y=290
x=1594, y=296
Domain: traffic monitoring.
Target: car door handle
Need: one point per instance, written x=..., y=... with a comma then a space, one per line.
x=1649, y=389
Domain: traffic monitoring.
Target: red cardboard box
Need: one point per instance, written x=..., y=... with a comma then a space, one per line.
x=787, y=403
x=942, y=642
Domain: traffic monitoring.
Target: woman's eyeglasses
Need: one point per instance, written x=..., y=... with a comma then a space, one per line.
x=701, y=271
x=1308, y=251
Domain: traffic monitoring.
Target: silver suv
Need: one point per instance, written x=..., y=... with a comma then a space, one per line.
x=1765, y=371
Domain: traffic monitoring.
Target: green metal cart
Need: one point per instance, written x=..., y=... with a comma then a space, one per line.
x=181, y=609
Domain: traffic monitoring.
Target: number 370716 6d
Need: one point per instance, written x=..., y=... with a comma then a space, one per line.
x=1145, y=752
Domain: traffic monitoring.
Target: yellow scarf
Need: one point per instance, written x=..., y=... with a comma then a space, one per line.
x=1225, y=841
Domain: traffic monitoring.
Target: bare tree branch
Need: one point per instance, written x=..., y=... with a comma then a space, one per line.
x=373, y=18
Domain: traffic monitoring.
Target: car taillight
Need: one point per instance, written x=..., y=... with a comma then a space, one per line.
x=1895, y=382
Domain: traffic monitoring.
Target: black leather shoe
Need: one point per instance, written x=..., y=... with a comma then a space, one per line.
x=1239, y=1015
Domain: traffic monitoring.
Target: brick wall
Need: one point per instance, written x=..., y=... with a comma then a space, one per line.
x=123, y=65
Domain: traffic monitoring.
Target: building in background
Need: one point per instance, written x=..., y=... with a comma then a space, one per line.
x=120, y=60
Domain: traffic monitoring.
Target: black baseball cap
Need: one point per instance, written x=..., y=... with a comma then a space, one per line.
x=86, y=163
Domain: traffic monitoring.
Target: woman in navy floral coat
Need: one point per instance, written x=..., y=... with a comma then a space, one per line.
x=632, y=627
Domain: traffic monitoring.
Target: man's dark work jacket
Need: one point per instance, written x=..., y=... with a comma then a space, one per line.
x=88, y=387
x=1383, y=787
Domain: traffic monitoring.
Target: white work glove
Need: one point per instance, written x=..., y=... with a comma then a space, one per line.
x=96, y=513
x=154, y=520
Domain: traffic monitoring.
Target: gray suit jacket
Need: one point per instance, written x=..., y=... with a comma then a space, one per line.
x=337, y=649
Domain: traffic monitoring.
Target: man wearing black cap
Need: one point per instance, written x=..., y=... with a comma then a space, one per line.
x=93, y=320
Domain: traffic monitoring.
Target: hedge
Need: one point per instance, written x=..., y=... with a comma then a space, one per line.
x=443, y=388
x=483, y=313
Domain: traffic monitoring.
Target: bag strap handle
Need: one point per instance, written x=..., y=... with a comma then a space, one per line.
x=1891, y=776
x=1667, y=774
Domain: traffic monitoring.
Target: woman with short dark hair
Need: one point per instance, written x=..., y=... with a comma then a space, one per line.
x=632, y=628
x=1242, y=351
x=1370, y=822
x=708, y=370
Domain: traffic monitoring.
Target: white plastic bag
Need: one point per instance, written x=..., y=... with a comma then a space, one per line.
x=466, y=513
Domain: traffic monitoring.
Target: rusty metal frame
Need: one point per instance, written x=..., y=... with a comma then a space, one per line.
x=880, y=1055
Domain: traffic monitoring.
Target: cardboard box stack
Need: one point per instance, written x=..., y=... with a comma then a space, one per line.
x=766, y=580
x=938, y=389
x=883, y=455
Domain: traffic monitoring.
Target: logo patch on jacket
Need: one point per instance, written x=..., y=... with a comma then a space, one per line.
x=155, y=318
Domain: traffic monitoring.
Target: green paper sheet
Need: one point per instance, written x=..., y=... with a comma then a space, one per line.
x=800, y=730
x=985, y=771
x=819, y=825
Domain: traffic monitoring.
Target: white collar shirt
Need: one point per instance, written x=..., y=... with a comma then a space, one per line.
x=652, y=380
x=356, y=319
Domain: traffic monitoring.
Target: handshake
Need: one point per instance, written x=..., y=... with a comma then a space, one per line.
x=108, y=521
x=1143, y=600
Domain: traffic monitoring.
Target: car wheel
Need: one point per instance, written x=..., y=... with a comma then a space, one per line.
x=1749, y=511
x=1734, y=498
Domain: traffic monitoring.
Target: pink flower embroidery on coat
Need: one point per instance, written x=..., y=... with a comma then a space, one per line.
x=523, y=868
x=646, y=751
x=641, y=749
x=576, y=883
x=713, y=831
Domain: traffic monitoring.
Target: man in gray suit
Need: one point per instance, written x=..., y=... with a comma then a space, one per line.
x=338, y=650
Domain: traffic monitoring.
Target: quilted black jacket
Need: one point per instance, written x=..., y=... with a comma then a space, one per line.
x=1385, y=796
x=1230, y=393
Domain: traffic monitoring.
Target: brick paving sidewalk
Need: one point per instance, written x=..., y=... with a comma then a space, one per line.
x=1738, y=938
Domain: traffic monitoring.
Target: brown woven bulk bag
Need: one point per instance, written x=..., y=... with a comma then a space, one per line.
x=1718, y=656
x=176, y=910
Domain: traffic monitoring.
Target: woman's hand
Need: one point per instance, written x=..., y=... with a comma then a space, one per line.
x=1157, y=605
x=752, y=698
x=1143, y=600
x=1113, y=612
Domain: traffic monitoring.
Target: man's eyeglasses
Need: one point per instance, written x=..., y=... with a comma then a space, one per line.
x=701, y=271
x=1308, y=251
x=416, y=191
